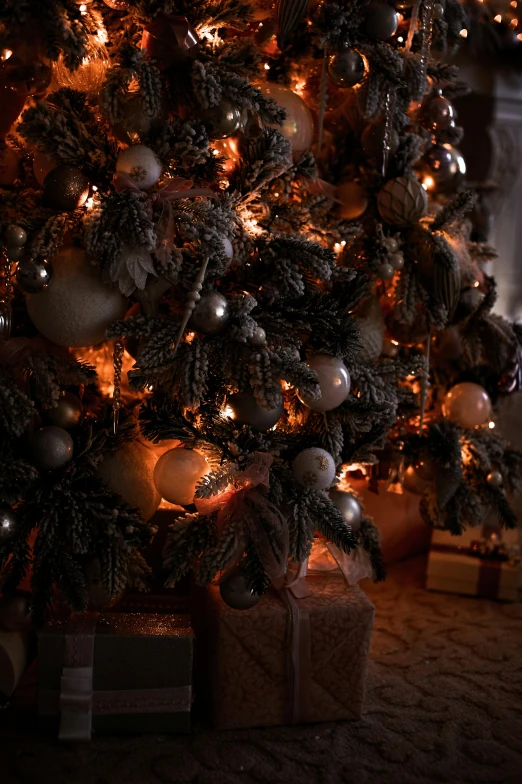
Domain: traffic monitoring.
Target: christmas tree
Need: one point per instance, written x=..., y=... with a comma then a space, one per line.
x=236, y=231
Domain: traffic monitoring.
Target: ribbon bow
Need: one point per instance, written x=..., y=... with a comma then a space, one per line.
x=176, y=188
x=246, y=502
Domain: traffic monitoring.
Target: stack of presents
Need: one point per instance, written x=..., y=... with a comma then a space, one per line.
x=149, y=664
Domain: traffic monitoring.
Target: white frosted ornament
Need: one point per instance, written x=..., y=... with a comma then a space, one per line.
x=298, y=127
x=229, y=250
x=334, y=381
x=128, y=471
x=467, y=404
x=141, y=165
x=314, y=468
x=177, y=473
x=77, y=307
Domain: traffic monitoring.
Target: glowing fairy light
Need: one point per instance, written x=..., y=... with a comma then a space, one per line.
x=498, y=18
x=266, y=67
x=428, y=183
x=6, y=54
x=229, y=412
x=491, y=425
x=463, y=33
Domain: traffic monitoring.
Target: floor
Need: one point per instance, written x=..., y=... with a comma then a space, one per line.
x=444, y=704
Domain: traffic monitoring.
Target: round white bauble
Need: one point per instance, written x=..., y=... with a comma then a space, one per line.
x=229, y=250
x=334, y=381
x=141, y=164
x=77, y=307
x=298, y=127
x=176, y=474
x=129, y=471
x=314, y=468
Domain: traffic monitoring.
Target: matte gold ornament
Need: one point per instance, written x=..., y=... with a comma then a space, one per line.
x=353, y=200
x=65, y=188
x=77, y=307
x=468, y=404
x=402, y=201
x=176, y=474
x=334, y=382
x=298, y=127
x=15, y=613
x=52, y=448
x=129, y=472
x=67, y=413
x=235, y=592
x=141, y=165
x=349, y=507
x=314, y=468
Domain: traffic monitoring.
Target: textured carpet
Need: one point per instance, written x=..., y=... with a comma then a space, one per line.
x=444, y=704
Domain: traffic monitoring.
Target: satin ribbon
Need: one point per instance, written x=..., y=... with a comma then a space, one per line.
x=77, y=703
x=76, y=682
x=247, y=503
x=169, y=38
x=174, y=189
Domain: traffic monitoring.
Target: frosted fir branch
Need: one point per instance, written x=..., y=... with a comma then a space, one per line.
x=256, y=577
x=369, y=537
x=265, y=383
x=209, y=13
x=336, y=25
x=262, y=161
x=219, y=556
x=16, y=408
x=194, y=373
x=48, y=241
x=329, y=521
x=216, y=481
x=62, y=27
x=454, y=211
x=189, y=536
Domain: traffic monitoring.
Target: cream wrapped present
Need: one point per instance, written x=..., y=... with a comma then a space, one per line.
x=479, y=562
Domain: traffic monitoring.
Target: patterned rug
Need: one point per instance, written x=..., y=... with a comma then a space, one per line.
x=444, y=704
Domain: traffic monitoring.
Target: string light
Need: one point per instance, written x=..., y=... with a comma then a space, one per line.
x=491, y=425
x=498, y=18
x=428, y=183
x=266, y=67
x=463, y=33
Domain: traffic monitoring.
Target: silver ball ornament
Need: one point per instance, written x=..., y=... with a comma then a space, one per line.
x=235, y=592
x=52, y=447
x=437, y=114
x=442, y=168
x=334, y=382
x=397, y=261
x=380, y=20
x=314, y=468
x=221, y=121
x=494, y=479
x=386, y=271
x=15, y=236
x=391, y=244
x=245, y=410
x=140, y=164
x=67, y=413
x=211, y=313
x=346, y=69
x=258, y=337
x=7, y=522
x=467, y=404
x=33, y=275
x=298, y=127
x=349, y=507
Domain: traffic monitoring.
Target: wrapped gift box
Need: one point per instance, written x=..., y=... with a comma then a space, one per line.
x=116, y=672
x=284, y=662
x=455, y=565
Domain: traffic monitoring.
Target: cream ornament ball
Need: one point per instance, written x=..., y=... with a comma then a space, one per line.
x=177, y=473
x=141, y=165
x=334, y=382
x=77, y=307
x=314, y=468
x=467, y=404
x=129, y=471
x=298, y=127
